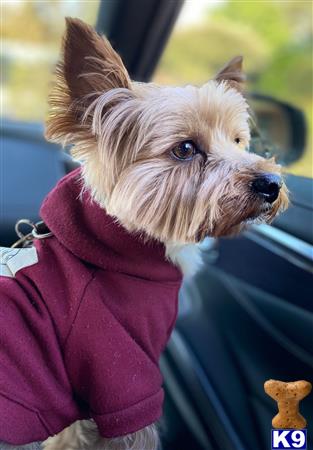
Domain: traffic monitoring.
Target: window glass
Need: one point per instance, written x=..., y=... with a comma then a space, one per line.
x=30, y=44
x=274, y=37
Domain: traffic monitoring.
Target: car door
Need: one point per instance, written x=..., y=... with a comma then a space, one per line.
x=246, y=317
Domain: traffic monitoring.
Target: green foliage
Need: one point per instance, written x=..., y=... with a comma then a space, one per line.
x=195, y=55
x=31, y=36
x=265, y=18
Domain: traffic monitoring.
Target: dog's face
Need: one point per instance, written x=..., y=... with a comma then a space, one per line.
x=171, y=162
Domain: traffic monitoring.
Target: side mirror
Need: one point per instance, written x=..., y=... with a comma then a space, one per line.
x=277, y=129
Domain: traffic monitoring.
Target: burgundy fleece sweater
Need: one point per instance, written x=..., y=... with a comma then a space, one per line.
x=82, y=330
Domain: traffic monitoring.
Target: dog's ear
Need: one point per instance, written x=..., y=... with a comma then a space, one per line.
x=90, y=63
x=232, y=73
x=89, y=67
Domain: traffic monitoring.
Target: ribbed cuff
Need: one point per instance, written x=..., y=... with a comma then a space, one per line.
x=131, y=419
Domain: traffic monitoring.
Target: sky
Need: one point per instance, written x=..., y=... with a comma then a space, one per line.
x=193, y=11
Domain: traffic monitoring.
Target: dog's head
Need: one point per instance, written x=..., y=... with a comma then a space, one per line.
x=168, y=161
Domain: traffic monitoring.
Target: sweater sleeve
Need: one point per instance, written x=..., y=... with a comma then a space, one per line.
x=35, y=394
x=111, y=372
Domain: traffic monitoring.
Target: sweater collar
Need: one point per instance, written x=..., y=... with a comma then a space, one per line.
x=86, y=230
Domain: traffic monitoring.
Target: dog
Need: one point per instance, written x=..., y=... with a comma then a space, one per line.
x=167, y=164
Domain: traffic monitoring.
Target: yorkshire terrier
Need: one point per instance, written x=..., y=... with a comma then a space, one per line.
x=168, y=162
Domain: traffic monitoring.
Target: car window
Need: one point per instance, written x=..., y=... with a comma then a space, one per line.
x=275, y=39
x=30, y=45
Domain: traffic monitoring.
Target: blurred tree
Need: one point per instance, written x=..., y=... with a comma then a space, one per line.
x=195, y=55
x=26, y=22
x=31, y=35
x=42, y=21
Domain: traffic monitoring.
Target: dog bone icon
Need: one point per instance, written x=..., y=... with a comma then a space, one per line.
x=288, y=396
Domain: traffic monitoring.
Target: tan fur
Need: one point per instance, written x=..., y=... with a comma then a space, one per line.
x=149, y=191
x=124, y=133
x=89, y=66
x=232, y=72
x=83, y=435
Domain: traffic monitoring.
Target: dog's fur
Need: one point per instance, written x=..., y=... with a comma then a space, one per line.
x=124, y=132
x=84, y=435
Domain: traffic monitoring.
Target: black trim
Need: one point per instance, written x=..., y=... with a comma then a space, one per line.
x=138, y=30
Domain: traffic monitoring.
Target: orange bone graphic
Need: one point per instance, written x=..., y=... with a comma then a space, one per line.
x=288, y=396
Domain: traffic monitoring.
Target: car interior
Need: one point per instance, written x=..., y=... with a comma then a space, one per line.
x=247, y=315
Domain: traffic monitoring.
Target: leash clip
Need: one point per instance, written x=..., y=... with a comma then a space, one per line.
x=39, y=230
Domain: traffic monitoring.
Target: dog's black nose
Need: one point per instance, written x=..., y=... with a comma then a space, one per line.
x=267, y=186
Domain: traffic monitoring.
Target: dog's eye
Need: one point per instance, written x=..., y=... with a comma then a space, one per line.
x=237, y=140
x=185, y=150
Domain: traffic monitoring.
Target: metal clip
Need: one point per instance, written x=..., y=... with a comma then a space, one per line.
x=27, y=239
x=38, y=233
